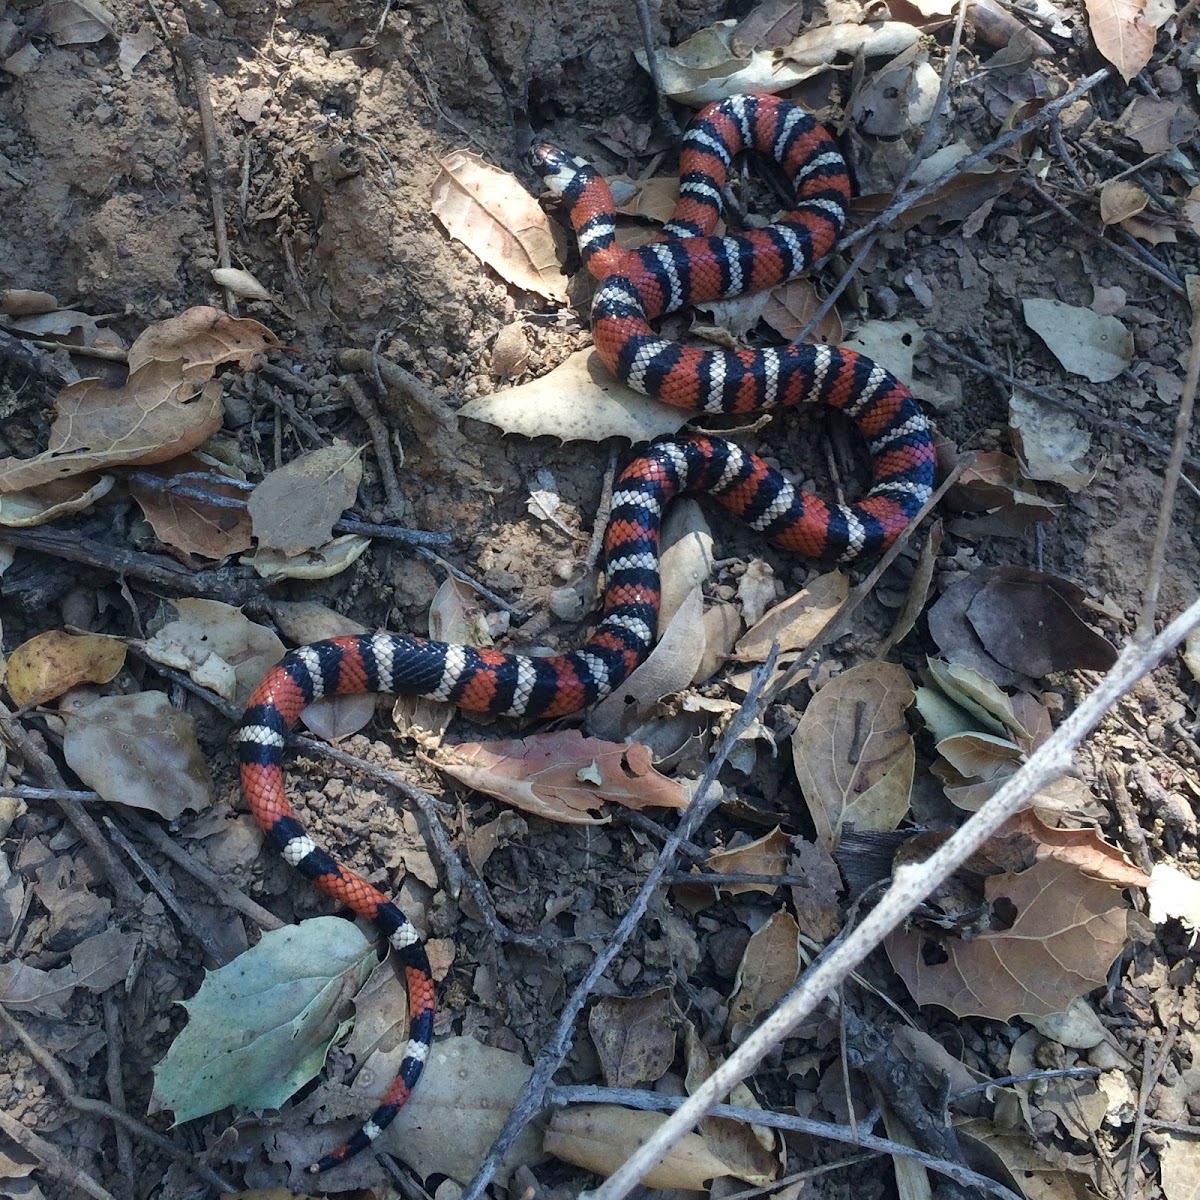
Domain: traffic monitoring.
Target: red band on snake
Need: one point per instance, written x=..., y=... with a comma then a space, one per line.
x=686, y=266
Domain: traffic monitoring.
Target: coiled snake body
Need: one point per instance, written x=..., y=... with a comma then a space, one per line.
x=636, y=286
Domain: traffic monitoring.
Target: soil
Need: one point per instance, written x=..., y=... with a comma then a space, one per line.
x=331, y=119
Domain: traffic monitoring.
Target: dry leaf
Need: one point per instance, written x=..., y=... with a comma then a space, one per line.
x=853, y=754
x=203, y=338
x=185, y=520
x=1087, y=343
x=1119, y=200
x=139, y=750
x=77, y=22
x=793, y=622
x=56, y=661
x=1066, y=932
x=295, y=507
x=1031, y=622
x=705, y=68
x=155, y=416
x=562, y=776
x=499, y=222
x=322, y=563
x=1049, y=442
x=133, y=47
x=770, y=965
x=669, y=668
x=579, y=399
x=1157, y=124
x=634, y=1036
x=41, y=505
x=767, y=855
x=1121, y=33
x=791, y=306
x=600, y=1137
x=218, y=646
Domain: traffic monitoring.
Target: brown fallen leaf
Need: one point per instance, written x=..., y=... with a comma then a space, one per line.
x=41, y=505
x=816, y=900
x=952, y=203
x=600, y=1137
x=956, y=637
x=186, y=520
x=1120, y=199
x=753, y=1148
x=1030, y=622
x=1066, y=931
x=56, y=661
x=1157, y=124
x=562, y=776
x=793, y=622
x=668, y=669
x=77, y=22
x=217, y=645
x=1050, y=445
x=770, y=965
x=489, y=211
x=1121, y=33
x=853, y=754
x=791, y=306
x=767, y=855
x=203, y=338
x=634, y=1036
x=155, y=416
x=1097, y=346
x=295, y=507
x=139, y=750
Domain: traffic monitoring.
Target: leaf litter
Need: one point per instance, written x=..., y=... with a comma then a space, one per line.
x=1011, y=643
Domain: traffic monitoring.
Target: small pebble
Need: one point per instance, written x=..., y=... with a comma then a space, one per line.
x=1168, y=79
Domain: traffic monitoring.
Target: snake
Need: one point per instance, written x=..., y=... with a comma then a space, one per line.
x=686, y=265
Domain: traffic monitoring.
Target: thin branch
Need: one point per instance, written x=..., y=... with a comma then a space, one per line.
x=1183, y=422
x=55, y=1163
x=705, y=800
x=910, y=885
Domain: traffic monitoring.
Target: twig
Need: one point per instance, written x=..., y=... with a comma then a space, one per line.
x=114, y=1080
x=706, y=799
x=1133, y=259
x=491, y=597
x=226, y=894
x=654, y=1102
x=19, y=352
x=603, y=512
x=932, y=129
x=665, y=116
x=1028, y=1077
x=911, y=884
x=38, y=794
x=1183, y=421
x=1152, y=1065
x=159, y=884
x=53, y=1160
x=1135, y=835
x=902, y=204
x=105, y=1111
x=192, y=54
x=1078, y=410
x=234, y=585
x=369, y=412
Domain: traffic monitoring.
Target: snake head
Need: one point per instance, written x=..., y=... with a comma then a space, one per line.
x=556, y=167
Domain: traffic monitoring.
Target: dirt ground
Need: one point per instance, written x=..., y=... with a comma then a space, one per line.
x=331, y=120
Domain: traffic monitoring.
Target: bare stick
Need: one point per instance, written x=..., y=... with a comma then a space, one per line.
x=224, y=891
x=653, y=1101
x=706, y=798
x=107, y=1112
x=903, y=203
x=366, y=408
x=115, y=1080
x=1152, y=1066
x=932, y=129
x=911, y=884
x=1078, y=410
x=53, y=1160
x=1183, y=421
